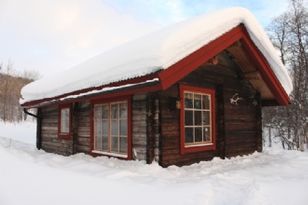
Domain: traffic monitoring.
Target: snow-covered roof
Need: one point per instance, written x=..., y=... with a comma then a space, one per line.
x=156, y=51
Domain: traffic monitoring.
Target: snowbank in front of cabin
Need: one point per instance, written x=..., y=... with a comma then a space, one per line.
x=31, y=177
x=24, y=131
x=156, y=51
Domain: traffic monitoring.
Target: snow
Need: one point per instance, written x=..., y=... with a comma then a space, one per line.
x=32, y=177
x=157, y=51
x=24, y=131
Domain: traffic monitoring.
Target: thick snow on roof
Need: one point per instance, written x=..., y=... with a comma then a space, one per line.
x=156, y=51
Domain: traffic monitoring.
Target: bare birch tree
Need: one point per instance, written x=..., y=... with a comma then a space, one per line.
x=289, y=33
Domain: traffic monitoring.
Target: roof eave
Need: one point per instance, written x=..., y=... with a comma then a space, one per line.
x=188, y=64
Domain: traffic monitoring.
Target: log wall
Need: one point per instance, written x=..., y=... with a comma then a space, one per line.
x=142, y=115
x=82, y=116
x=139, y=127
x=49, y=133
x=238, y=129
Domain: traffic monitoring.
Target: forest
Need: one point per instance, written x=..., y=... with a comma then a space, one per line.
x=289, y=34
x=11, y=83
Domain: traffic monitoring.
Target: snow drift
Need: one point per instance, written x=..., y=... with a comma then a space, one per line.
x=31, y=177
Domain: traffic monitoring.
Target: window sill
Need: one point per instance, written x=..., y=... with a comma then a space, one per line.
x=198, y=145
x=109, y=154
x=198, y=148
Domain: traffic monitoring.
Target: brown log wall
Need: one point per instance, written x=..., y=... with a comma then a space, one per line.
x=238, y=128
x=49, y=133
x=80, y=140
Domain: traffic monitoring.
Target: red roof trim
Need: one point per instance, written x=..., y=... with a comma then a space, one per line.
x=265, y=70
x=190, y=63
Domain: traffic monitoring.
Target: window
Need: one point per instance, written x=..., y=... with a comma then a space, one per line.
x=64, y=121
x=111, y=128
x=197, y=119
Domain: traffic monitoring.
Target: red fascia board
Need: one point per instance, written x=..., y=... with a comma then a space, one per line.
x=265, y=70
x=190, y=63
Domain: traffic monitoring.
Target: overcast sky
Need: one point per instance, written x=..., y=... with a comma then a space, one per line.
x=52, y=35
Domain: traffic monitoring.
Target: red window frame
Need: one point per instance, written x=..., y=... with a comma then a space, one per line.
x=61, y=135
x=129, y=126
x=202, y=147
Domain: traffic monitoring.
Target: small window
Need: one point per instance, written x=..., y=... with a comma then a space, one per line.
x=64, y=121
x=197, y=119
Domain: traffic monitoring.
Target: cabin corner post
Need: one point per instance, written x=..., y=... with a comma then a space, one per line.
x=156, y=129
x=74, y=116
x=38, y=129
x=152, y=126
x=259, y=145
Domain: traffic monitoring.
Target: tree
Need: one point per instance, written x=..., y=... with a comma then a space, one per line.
x=289, y=33
x=10, y=85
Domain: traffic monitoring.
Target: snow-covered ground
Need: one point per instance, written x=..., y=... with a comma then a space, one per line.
x=23, y=131
x=31, y=177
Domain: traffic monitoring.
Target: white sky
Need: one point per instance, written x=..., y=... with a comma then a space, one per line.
x=51, y=35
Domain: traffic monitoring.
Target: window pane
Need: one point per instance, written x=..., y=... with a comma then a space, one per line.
x=197, y=117
x=114, y=144
x=206, y=118
x=98, y=127
x=98, y=137
x=206, y=134
x=197, y=101
x=114, y=127
x=123, y=110
x=123, y=127
x=105, y=111
x=114, y=111
x=206, y=102
x=189, y=117
x=105, y=146
x=198, y=134
x=188, y=100
x=123, y=145
x=189, y=138
x=65, y=114
x=105, y=127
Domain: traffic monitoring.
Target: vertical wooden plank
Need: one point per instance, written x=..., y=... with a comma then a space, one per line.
x=156, y=127
x=74, y=117
x=259, y=122
x=38, y=129
x=152, y=128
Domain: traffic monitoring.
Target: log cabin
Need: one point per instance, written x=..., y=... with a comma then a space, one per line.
x=186, y=93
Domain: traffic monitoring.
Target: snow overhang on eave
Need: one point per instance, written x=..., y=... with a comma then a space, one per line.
x=147, y=83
